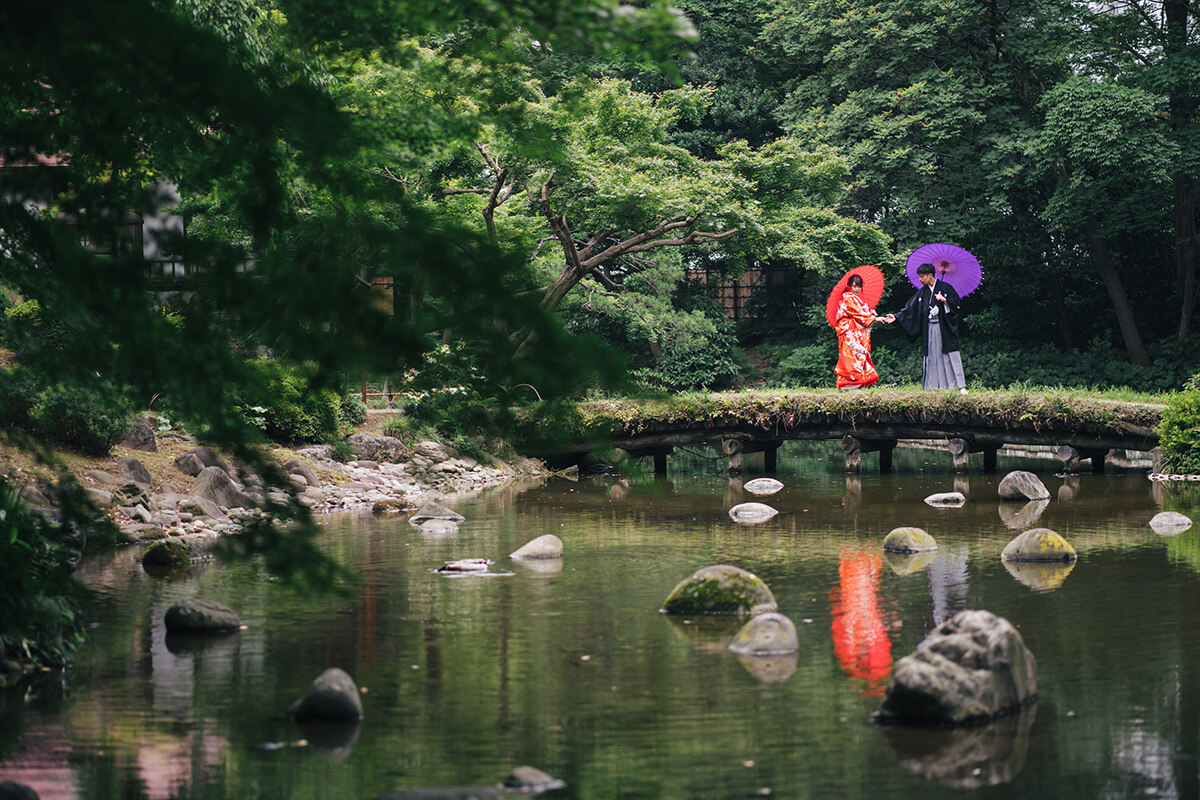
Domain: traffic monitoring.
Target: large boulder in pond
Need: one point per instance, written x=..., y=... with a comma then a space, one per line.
x=201, y=616
x=167, y=553
x=770, y=634
x=1039, y=544
x=545, y=546
x=434, y=510
x=720, y=589
x=909, y=540
x=333, y=697
x=1022, y=485
x=972, y=668
x=214, y=483
x=382, y=449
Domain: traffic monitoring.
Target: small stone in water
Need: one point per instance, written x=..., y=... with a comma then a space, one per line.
x=466, y=565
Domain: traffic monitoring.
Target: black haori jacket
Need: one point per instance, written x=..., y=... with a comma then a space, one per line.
x=914, y=317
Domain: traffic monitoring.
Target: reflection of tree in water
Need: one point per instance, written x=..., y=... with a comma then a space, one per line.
x=860, y=639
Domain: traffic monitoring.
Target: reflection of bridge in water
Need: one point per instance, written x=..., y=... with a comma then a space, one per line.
x=1076, y=428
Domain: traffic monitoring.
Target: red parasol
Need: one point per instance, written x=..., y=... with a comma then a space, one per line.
x=951, y=264
x=872, y=278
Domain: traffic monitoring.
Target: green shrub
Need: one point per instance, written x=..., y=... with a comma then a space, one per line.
x=343, y=451
x=1179, y=430
x=19, y=392
x=292, y=410
x=27, y=328
x=353, y=410
x=90, y=419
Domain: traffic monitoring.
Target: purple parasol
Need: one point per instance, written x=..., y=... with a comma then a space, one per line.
x=951, y=264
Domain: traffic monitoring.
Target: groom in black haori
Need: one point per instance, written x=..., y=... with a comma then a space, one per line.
x=932, y=314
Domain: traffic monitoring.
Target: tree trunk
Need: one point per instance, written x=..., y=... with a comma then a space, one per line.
x=568, y=278
x=1185, y=250
x=1116, y=293
x=1182, y=105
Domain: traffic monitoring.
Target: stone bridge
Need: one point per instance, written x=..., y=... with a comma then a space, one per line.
x=1079, y=427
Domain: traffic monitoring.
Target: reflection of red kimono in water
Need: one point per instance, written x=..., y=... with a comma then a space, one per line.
x=860, y=639
x=853, y=326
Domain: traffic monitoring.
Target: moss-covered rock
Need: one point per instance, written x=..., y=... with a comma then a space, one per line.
x=720, y=589
x=201, y=616
x=1039, y=544
x=909, y=540
x=167, y=553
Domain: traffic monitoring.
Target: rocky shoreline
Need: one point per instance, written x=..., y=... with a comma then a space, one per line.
x=210, y=498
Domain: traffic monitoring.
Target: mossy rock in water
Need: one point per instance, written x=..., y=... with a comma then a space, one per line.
x=909, y=540
x=720, y=589
x=167, y=553
x=769, y=634
x=1039, y=544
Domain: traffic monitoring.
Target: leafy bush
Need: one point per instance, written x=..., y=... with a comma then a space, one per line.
x=27, y=329
x=1179, y=430
x=343, y=451
x=89, y=418
x=353, y=410
x=293, y=411
x=19, y=392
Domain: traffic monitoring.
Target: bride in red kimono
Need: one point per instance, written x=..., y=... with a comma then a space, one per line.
x=855, y=369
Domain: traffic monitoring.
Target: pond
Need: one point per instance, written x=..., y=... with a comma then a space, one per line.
x=569, y=667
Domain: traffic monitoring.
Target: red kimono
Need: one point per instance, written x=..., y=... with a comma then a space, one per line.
x=853, y=326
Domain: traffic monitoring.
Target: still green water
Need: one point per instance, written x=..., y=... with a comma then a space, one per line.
x=569, y=666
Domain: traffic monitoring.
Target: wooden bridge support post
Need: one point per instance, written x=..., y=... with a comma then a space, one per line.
x=733, y=448
x=854, y=448
x=659, y=454
x=960, y=451
x=1071, y=457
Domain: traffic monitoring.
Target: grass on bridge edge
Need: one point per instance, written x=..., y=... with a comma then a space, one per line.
x=786, y=408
